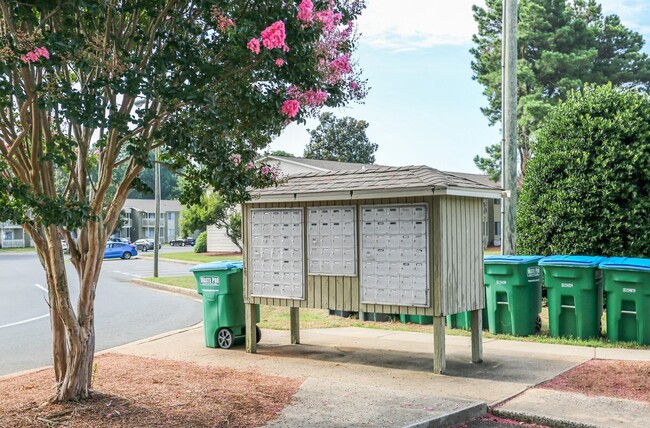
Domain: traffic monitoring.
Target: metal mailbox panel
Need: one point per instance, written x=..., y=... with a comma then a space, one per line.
x=331, y=237
x=277, y=253
x=394, y=255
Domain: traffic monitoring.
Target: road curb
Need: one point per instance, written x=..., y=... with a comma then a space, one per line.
x=164, y=287
x=540, y=420
x=453, y=418
x=110, y=350
x=181, y=262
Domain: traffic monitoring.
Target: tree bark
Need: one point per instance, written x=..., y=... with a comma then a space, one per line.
x=73, y=333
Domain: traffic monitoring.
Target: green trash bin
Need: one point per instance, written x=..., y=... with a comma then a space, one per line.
x=221, y=285
x=627, y=287
x=514, y=294
x=463, y=320
x=416, y=319
x=574, y=288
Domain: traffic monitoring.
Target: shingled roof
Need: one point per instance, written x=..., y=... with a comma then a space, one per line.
x=373, y=182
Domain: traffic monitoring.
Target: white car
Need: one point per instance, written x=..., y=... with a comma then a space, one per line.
x=64, y=244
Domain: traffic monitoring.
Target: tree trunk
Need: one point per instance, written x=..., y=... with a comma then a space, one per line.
x=73, y=333
x=77, y=380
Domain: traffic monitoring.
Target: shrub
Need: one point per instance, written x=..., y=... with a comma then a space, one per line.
x=587, y=189
x=201, y=245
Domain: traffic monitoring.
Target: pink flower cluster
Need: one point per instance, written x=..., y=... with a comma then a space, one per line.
x=341, y=64
x=309, y=98
x=271, y=172
x=329, y=19
x=306, y=11
x=290, y=108
x=34, y=55
x=223, y=22
x=235, y=158
x=274, y=36
x=279, y=62
x=254, y=46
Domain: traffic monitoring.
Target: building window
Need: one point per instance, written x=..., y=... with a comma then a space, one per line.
x=497, y=202
x=497, y=228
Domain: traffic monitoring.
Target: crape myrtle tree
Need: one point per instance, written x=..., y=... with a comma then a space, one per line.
x=562, y=44
x=91, y=87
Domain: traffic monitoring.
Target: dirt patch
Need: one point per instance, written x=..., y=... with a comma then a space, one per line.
x=491, y=421
x=610, y=378
x=141, y=392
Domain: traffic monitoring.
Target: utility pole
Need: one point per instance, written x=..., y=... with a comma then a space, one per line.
x=156, y=233
x=509, y=118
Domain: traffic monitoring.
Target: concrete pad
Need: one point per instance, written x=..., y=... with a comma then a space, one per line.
x=566, y=409
x=622, y=354
x=352, y=405
x=376, y=359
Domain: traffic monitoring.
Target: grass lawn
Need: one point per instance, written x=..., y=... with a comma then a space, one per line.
x=186, y=281
x=190, y=256
x=18, y=250
x=277, y=318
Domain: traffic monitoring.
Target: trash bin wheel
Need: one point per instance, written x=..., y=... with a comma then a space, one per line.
x=126, y=255
x=259, y=334
x=224, y=338
x=538, y=324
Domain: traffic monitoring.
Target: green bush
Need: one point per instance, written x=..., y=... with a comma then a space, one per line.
x=201, y=245
x=587, y=189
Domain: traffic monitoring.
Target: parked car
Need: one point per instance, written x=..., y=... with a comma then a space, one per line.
x=190, y=241
x=153, y=242
x=145, y=245
x=178, y=242
x=123, y=240
x=64, y=244
x=115, y=250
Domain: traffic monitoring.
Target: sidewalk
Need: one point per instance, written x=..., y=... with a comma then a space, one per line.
x=368, y=377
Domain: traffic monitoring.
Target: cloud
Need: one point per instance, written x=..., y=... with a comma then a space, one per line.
x=635, y=14
x=413, y=24
x=416, y=24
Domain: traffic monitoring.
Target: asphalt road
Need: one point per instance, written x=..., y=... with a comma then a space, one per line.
x=124, y=312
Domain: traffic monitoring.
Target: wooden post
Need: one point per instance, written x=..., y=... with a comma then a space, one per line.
x=295, y=325
x=439, y=361
x=251, y=331
x=509, y=116
x=477, y=335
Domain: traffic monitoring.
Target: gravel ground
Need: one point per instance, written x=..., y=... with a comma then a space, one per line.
x=609, y=378
x=145, y=392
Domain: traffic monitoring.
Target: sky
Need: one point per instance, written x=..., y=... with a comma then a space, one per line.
x=423, y=106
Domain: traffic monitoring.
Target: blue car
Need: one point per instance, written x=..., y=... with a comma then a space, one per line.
x=119, y=250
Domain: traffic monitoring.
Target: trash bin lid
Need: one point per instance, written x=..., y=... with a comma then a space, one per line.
x=515, y=260
x=575, y=261
x=626, y=263
x=220, y=265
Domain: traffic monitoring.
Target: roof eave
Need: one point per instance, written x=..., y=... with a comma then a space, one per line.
x=469, y=193
x=343, y=195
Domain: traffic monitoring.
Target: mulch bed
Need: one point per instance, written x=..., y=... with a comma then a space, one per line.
x=145, y=392
x=610, y=378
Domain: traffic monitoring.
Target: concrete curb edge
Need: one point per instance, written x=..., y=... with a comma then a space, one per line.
x=453, y=418
x=540, y=420
x=169, y=288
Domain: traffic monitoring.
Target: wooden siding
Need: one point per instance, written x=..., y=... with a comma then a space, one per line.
x=219, y=242
x=455, y=255
x=459, y=262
